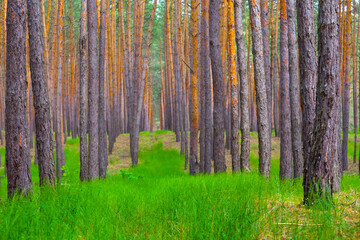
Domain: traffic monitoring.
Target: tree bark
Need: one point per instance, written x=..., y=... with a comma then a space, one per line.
x=297, y=152
x=17, y=151
x=93, y=97
x=103, y=158
x=307, y=64
x=346, y=104
x=218, y=86
x=206, y=87
x=234, y=90
x=285, y=117
x=322, y=155
x=244, y=89
x=260, y=88
x=44, y=135
x=194, y=127
x=266, y=53
x=83, y=95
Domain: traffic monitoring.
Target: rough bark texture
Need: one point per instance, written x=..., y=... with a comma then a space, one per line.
x=234, y=91
x=83, y=94
x=44, y=135
x=60, y=158
x=323, y=149
x=266, y=54
x=218, y=86
x=194, y=126
x=244, y=89
x=260, y=88
x=206, y=87
x=93, y=85
x=17, y=151
x=297, y=152
x=285, y=117
x=346, y=97
x=103, y=158
x=307, y=64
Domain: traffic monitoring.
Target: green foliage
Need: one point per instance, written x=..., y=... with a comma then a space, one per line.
x=158, y=200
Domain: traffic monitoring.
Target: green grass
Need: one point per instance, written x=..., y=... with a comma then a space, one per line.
x=158, y=200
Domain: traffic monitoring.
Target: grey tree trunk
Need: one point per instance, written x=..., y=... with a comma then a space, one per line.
x=260, y=88
x=93, y=85
x=60, y=158
x=218, y=86
x=103, y=158
x=297, y=152
x=244, y=89
x=177, y=72
x=83, y=93
x=17, y=151
x=285, y=117
x=322, y=155
x=44, y=135
x=266, y=53
x=206, y=87
x=307, y=64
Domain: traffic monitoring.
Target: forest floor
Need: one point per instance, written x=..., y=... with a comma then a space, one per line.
x=159, y=200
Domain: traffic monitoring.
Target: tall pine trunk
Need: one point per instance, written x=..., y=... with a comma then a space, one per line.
x=285, y=117
x=83, y=93
x=93, y=89
x=297, y=152
x=244, y=89
x=17, y=151
x=322, y=155
x=44, y=135
x=260, y=88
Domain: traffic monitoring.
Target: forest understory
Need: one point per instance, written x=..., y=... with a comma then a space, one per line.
x=157, y=199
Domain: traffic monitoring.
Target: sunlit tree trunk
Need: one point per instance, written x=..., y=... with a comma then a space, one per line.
x=234, y=90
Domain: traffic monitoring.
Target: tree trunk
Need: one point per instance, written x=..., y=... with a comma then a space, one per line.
x=59, y=83
x=83, y=96
x=260, y=88
x=206, y=87
x=218, y=86
x=266, y=53
x=194, y=128
x=244, y=89
x=322, y=155
x=346, y=104
x=93, y=85
x=297, y=152
x=17, y=151
x=103, y=159
x=234, y=91
x=44, y=135
x=307, y=64
x=285, y=117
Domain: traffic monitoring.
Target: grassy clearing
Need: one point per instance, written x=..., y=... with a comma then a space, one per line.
x=158, y=200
